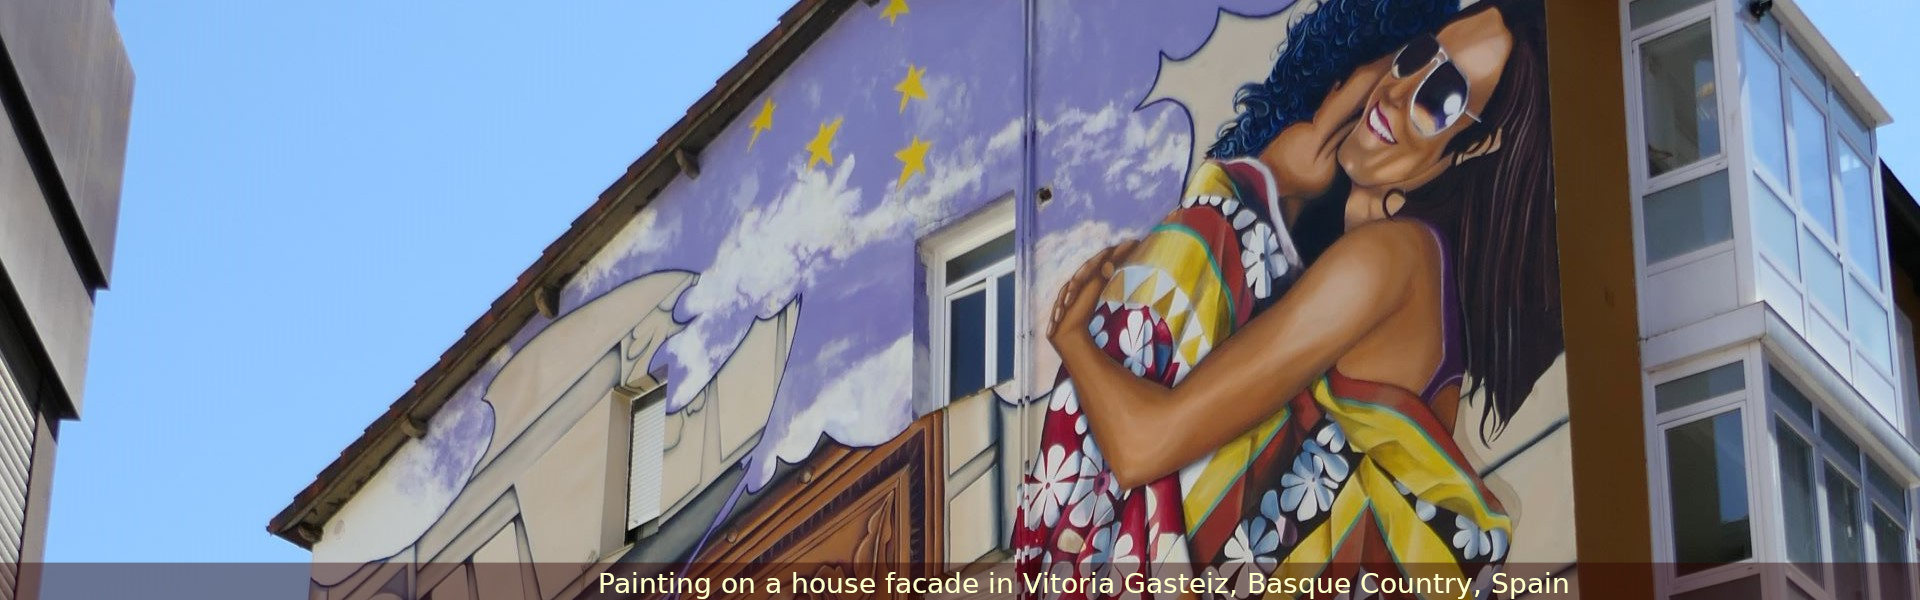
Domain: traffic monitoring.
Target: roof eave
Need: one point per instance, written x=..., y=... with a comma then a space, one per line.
x=1843, y=77
x=301, y=521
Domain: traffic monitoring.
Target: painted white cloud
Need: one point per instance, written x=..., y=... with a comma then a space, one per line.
x=775, y=251
x=1140, y=149
x=415, y=487
x=864, y=406
x=643, y=234
x=805, y=236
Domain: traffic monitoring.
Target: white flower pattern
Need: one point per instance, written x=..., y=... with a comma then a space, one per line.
x=1055, y=483
x=1332, y=437
x=1098, y=327
x=1134, y=343
x=1096, y=507
x=1471, y=541
x=1064, y=399
x=1304, y=491
x=1254, y=541
x=1423, y=509
x=1261, y=256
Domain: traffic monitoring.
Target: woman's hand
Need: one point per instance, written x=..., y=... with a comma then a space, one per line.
x=1304, y=156
x=1074, y=306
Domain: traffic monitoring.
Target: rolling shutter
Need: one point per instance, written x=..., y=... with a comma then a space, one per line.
x=16, y=460
x=644, y=460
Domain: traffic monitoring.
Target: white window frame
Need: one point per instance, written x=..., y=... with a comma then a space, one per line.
x=1904, y=353
x=990, y=224
x=1005, y=451
x=1667, y=578
x=1737, y=158
x=1825, y=456
x=1644, y=184
x=1780, y=416
x=1833, y=108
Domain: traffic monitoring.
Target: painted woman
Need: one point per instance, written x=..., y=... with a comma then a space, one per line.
x=1282, y=418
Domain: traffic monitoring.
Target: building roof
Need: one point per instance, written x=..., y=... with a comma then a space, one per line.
x=1843, y=77
x=534, y=292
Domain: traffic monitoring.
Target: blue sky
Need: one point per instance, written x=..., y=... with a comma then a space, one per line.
x=1875, y=37
x=320, y=197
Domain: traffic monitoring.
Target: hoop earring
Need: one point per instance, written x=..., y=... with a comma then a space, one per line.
x=1389, y=212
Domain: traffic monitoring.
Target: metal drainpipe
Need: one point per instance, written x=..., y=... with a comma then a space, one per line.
x=1026, y=212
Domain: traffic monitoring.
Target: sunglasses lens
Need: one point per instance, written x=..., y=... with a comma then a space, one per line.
x=1414, y=56
x=1443, y=98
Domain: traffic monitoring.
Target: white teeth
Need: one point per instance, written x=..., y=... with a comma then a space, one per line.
x=1377, y=121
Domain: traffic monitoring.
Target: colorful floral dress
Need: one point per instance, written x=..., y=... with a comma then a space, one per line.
x=1350, y=476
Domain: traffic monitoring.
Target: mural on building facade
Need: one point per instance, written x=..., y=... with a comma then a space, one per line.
x=1270, y=377
x=780, y=298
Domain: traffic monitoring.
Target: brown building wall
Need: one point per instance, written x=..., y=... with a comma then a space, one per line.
x=1597, y=290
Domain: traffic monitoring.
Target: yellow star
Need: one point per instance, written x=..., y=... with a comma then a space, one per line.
x=894, y=9
x=910, y=87
x=913, y=159
x=761, y=123
x=821, y=148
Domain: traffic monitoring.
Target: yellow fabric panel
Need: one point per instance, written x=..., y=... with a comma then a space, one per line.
x=1408, y=451
x=1210, y=180
x=1310, y=557
x=1414, y=545
x=1229, y=462
x=1174, y=261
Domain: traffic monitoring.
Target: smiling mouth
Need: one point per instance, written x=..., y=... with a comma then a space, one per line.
x=1377, y=124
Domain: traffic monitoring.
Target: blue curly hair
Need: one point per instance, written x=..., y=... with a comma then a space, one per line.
x=1322, y=49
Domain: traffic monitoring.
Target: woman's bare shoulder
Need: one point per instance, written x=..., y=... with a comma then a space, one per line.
x=1388, y=239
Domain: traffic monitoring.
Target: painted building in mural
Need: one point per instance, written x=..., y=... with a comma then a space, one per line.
x=1306, y=288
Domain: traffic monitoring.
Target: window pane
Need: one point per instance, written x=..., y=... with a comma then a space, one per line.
x=1797, y=501
x=978, y=259
x=1766, y=123
x=1687, y=217
x=1843, y=529
x=1789, y=395
x=1707, y=479
x=1867, y=320
x=967, y=345
x=1856, y=192
x=1802, y=68
x=1003, y=330
x=1682, y=113
x=1882, y=483
x=1769, y=29
x=1646, y=12
x=1810, y=146
x=1776, y=225
x=1889, y=552
x=1837, y=439
x=1711, y=383
x=1850, y=124
x=1823, y=278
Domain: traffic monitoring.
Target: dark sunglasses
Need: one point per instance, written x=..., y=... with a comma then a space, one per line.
x=1443, y=94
